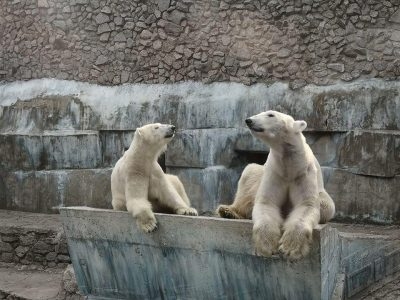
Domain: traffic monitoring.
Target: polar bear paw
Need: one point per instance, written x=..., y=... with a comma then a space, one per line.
x=295, y=243
x=147, y=223
x=225, y=211
x=266, y=240
x=188, y=211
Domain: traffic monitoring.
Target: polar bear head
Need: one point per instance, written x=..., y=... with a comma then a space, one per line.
x=155, y=135
x=272, y=126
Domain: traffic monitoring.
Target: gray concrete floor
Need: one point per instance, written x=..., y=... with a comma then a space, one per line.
x=30, y=284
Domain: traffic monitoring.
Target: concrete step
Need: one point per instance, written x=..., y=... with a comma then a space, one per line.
x=50, y=150
x=46, y=191
x=369, y=255
x=74, y=105
x=387, y=289
x=362, y=199
x=214, y=258
x=62, y=149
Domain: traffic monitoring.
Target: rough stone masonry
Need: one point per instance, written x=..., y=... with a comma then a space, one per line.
x=164, y=41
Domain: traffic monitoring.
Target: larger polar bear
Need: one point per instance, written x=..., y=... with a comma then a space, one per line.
x=287, y=193
x=138, y=183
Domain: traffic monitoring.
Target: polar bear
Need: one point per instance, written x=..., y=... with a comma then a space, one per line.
x=287, y=193
x=139, y=185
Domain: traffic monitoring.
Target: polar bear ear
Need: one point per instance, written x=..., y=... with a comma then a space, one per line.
x=139, y=132
x=299, y=126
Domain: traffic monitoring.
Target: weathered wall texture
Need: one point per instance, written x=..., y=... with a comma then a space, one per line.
x=59, y=140
x=117, y=41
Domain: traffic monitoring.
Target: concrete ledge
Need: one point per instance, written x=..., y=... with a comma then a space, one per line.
x=189, y=258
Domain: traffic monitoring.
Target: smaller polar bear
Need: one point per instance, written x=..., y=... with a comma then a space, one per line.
x=139, y=185
x=287, y=193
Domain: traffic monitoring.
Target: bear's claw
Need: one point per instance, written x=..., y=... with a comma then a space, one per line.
x=295, y=244
x=224, y=211
x=266, y=240
x=147, y=224
x=149, y=227
x=188, y=211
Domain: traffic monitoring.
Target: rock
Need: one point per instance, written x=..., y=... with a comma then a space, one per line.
x=28, y=239
x=163, y=5
x=157, y=45
x=380, y=65
x=241, y=51
x=9, y=239
x=102, y=18
x=104, y=37
x=120, y=37
x=226, y=40
x=103, y=28
x=63, y=258
x=129, y=25
x=43, y=4
x=353, y=9
x=20, y=251
x=101, y=60
x=51, y=256
x=336, y=67
x=7, y=257
x=146, y=34
x=106, y=10
x=5, y=247
x=176, y=17
x=119, y=21
x=282, y=53
x=41, y=247
x=172, y=29
x=346, y=77
x=69, y=280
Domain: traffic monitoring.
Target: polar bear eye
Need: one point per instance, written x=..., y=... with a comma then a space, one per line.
x=156, y=127
x=270, y=115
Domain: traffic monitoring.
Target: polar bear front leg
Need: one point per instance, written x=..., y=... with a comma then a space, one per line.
x=137, y=203
x=267, y=228
x=297, y=236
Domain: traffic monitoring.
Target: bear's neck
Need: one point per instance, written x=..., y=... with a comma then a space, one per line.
x=291, y=153
x=145, y=152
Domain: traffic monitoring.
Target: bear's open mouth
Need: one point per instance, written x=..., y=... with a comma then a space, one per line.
x=169, y=135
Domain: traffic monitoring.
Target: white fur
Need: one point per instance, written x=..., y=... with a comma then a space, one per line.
x=139, y=185
x=290, y=181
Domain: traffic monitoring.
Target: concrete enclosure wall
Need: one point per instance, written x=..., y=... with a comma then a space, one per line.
x=190, y=258
x=117, y=41
x=59, y=140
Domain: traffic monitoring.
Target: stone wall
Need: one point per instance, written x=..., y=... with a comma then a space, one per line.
x=36, y=241
x=33, y=248
x=162, y=41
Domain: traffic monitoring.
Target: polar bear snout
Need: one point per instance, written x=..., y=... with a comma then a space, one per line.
x=170, y=132
x=253, y=125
